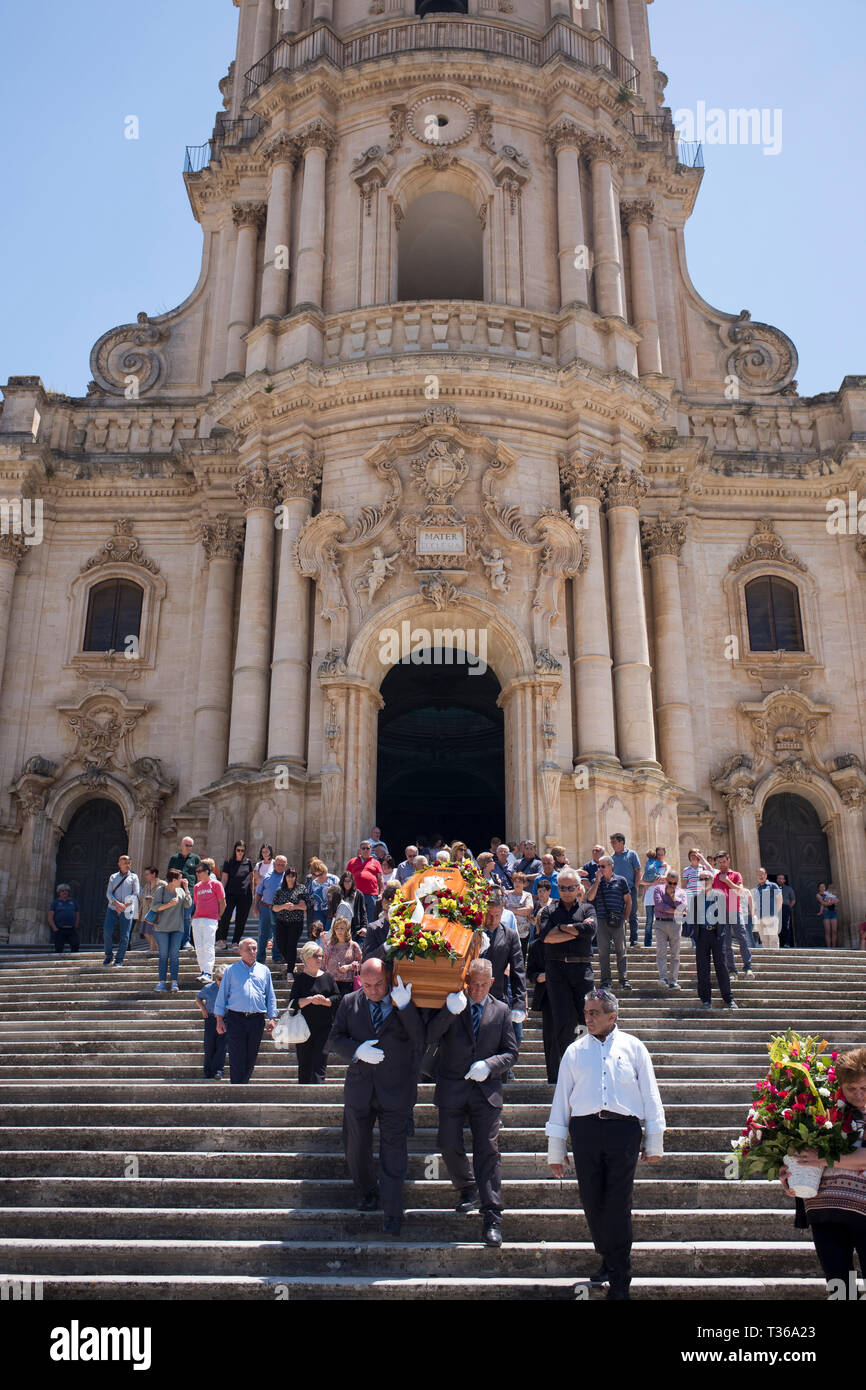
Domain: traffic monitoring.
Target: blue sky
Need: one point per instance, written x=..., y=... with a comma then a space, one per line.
x=97, y=227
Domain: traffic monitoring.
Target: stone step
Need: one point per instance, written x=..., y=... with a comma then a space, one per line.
x=383, y=1255
x=427, y=1223
x=164, y=1069
x=286, y=1091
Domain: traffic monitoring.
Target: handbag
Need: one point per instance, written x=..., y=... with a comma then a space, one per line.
x=151, y=916
x=289, y=1030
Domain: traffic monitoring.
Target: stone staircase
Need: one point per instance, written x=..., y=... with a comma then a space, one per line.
x=124, y=1174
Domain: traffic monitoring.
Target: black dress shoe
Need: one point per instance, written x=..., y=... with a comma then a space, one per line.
x=492, y=1234
x=392, y=1225
x=369, y=1203
x=468, y=1201
x=618, y=1296
x=599, y=1276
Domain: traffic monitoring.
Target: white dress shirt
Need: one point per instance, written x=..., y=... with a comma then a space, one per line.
x=615, y=1073
x=768, y=899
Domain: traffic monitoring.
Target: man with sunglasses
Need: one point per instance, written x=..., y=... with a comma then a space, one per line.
x=669, y=914
x=729, y=882
x=567, y=927
x=610, y=896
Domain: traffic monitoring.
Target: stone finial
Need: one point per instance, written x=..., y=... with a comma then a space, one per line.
x=626, y=487
x=664, y=536
x=222, y=537
x=298, y=476
x=249, y=214
x=256, y=490
x=637, y=212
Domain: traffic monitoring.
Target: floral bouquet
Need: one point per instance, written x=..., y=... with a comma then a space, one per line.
x=797, y=1106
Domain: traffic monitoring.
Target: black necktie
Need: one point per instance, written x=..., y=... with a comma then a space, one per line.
x=376, y=1011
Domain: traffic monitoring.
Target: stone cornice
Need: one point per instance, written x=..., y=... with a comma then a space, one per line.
x=664, y=536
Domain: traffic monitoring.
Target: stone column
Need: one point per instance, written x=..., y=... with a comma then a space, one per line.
x=249, y=719
x=622, y=26
x=637, y=216
x=848, y=847
x=280, y=154
x=664, y=540
x=584, y=480
x=248, y=218
x=263, y=30
x=564, y=139
x=607, y=243
x=12, y=551
x=631, y=669
x=221, y=539
x=314, y=142
x=297, y=480
x=743, y=821
x=293, y=17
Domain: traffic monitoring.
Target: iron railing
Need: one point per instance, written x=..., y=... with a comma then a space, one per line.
x=227, y=134
x=690, y=153
x=661, y=130
x=456, y=32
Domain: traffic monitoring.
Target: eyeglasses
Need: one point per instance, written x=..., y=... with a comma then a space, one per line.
x=568, y=887
x=671, y=880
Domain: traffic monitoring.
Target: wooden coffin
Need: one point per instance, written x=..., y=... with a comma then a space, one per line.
x=434, y=978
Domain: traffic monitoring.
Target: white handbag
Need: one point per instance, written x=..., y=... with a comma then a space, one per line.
x=289, y=1030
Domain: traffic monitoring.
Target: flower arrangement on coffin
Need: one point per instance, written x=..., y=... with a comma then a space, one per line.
x=435, y=929
x=798, y=1105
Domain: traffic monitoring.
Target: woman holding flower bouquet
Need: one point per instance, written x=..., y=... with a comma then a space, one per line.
x=837, y=1215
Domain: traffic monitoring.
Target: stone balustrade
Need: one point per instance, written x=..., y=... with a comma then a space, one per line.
x=440, y=325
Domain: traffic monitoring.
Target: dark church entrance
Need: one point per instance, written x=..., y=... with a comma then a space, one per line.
x=87, y=857
x=441, y=755
x=793, y=843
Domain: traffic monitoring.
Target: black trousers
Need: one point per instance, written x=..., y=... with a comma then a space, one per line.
x=786, y=933
x=710, y=941
x=835, y=1243
x=241, y=907
x=287, y=936
x=551, y=1050
x=393, y=1153
x=244, y=1034
x=567, y=987
x=65, y=936
x=605, y=1157
x=312, y=1057
x=484, y=1120
x=215, y=1045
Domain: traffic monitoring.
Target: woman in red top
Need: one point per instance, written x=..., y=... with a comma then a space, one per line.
x=209, y=898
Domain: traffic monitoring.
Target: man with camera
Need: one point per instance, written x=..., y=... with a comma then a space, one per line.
x=609, y=894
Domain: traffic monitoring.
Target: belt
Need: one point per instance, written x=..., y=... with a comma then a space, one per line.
x=608, y=1115
x=245, y=1013
x=575, y=960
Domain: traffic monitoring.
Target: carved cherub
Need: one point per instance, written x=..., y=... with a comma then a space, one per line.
x=497, y=569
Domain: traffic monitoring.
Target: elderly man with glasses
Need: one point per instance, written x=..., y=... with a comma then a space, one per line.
x=670, y=911
x=605, y=1091
x=567, y=927
x=610, y=896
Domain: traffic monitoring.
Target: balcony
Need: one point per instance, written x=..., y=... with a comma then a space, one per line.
x=661, y=132
x=425, y=326
x=591, y=51
x=227, y=135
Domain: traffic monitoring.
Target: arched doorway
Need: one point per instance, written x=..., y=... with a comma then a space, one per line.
x=441, y=754
x=441, y=252
x=87, y=857
x=793, y=843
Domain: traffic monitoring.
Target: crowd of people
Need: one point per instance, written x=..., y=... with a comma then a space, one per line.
x=544, y=921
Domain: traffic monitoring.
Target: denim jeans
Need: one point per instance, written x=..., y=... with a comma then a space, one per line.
x=632, y=919
x=187, y=926
x=648, y=929
x=738, y=930
x=123, y=924
x=266, y=931
x=168, y=944
x=370, y=904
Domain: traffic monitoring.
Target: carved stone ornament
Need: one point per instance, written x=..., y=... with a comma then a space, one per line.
x=626, y=487
x=377, y=571
x=371, y=171
x=562, y=556
x=13, y=548
x=794, y=770
x=129, y=352
x=440, y=472
x=256, y=490
x=334, y=664
x=298, y=476
x=397, y=126
x=736, y=782
x=583, y=476
x=498, y=571
x=123, y=548
x=102, y=723
x=546, y=663
x=485, y=128
x=637, y=212
x=785, y=725
x=316, y=558
x=766, y=545
x=762, y=358
x=440, y=118
x=510, y=172
x=598, y=147
x=280, y=149
x=249, y=214
x=565, y=133
x=222, y=538
x=317, y=135
x=439, y=590
x=440, y=160
x=664, y=536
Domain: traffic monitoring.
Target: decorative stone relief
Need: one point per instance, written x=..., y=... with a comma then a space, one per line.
x=123, y=548
x=498, y=571
x=397, y=126
x=765, y=545
x=249, y=214
x=222, y=538
x=664, y=536
x=132, y=350
x=583, y=476
x=377, y=570
x=317, y=135
x=371, y=171
x=316, y=558
x=440, y=118
x=282, y=148
x=626, y=487
x=785, y=725
x=762, y=357
x=299, y=476
x=256, y=490
x=13, y=548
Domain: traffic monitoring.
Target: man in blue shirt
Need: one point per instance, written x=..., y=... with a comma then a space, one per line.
x=590, y=868
x=246, y=998
x=628, y=866
x=63, y=919
x=264, y=901
x=214, y=1043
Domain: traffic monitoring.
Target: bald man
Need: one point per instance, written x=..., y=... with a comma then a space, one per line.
x=380, y=1033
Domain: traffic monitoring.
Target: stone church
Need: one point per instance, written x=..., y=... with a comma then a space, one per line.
x=444, y=501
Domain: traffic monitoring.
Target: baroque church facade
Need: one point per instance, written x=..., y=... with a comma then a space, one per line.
x=444, y=376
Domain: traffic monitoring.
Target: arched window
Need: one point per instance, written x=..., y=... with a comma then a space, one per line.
x=441, y=253
x=773, y=609
x=113, y=615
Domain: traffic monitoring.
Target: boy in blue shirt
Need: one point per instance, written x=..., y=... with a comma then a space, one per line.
x=215, y=1043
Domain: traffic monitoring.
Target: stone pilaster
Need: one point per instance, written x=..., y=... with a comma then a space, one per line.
x=12, y=551
x=664, y=540
x=637, y=216
x=607, y=243
x=248, y=218
x=281, y=154
x=221, y=539
x=573, y=278
x=297, y=481
x=315, y=142
x=632, y=681
x=249, y=717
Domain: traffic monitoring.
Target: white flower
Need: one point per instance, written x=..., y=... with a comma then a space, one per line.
x=824, y=1091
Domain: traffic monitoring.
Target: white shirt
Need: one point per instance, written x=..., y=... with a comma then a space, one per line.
x=768, y=899
x=613, y=1074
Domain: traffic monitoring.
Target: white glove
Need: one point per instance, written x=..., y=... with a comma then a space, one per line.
x=400, y=994
x=485, y=943
x=456, y=1003
x=369, y=1051
x=518, y=1016
x=479, y=1071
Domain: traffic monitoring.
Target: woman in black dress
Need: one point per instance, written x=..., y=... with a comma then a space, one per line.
x=237, y=879
x=289, y=910
x=346, y=892
x=315, y=995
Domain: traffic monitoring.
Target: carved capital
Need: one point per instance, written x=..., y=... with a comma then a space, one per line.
x=249, y=214
x=13, y=548
x=665, y=536
x=280, y=149
x=583, y=477
x=637, y=212
x=626, y=487
x=298, y=477
x=222, y=537
x=565, y=134
x=256, y=490
x=599, y=148
x=318, y=135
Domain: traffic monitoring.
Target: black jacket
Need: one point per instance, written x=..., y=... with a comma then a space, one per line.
x=496, y=1045
x=392, y=1083
x=504, y=950
x=582, y=915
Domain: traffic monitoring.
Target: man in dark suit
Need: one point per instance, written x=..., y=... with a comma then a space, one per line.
x=505, y=953
x=477, y=1047
x=377, y=930
x=380, y=1033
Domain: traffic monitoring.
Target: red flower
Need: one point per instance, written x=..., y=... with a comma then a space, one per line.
x=834, y=1056
x=799, y=1105
x=787, y=1114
